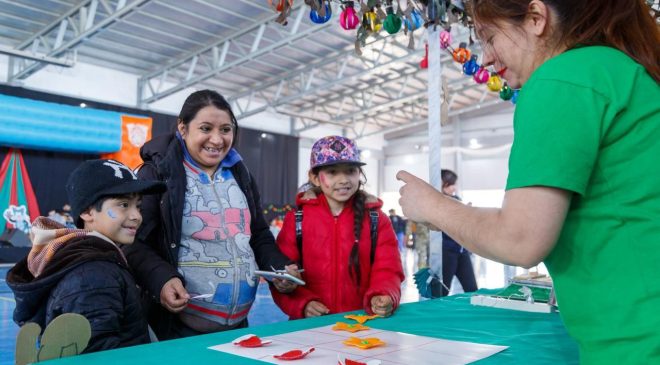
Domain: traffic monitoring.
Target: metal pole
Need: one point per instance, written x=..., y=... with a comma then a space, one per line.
x=435, y=145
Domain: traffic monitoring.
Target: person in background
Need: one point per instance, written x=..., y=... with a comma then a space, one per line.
x=421, y=238
x=82, y=270
x=399, y=225
x=203, y=239
x=346, y=267
x=583, y=191
x=456, y=259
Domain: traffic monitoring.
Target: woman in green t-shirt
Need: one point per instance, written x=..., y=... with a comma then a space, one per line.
x=583, y=191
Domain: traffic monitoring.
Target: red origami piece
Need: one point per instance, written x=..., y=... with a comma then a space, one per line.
x=343, y=360
x=250, y=341
x=294, y=354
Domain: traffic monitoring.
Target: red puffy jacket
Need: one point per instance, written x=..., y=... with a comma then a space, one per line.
x=327, y=243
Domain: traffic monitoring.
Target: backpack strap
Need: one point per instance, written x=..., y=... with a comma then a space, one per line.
x=299, y=217
x=373, y=230
x=373, y=215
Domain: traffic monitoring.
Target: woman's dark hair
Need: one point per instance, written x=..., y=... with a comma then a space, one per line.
x=626, y=25
x=448, y=178
x=201, y=99
x=359, y=200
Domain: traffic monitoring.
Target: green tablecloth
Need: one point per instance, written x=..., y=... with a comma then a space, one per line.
x=534, y=338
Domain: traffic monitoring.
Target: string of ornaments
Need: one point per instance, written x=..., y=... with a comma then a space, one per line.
x=368, y=17
x=472, y=68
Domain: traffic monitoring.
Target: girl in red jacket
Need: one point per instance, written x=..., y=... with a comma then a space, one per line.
x=335, y=249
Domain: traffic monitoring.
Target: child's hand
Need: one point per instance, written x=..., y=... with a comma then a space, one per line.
x=315, y=309
x=286, y=286
x=173, y=296
x=382, y=305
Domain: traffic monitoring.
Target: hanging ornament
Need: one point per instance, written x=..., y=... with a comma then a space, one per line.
x=506, y=93
x=371, y=22
x=283, y=7
x=414, y=20
x=461, y=54
x=348, y=19
x=445, y=39
x=481, y=76
x=514, y=97
x=471, y=67
x=322, y=16
x=432, y=11
x=494, y=83
x=279, y=5
x=424, y=63
x=392, y=23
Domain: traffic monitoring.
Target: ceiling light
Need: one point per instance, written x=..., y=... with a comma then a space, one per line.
x=474, y=143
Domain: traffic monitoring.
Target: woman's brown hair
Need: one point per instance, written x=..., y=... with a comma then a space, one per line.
x=623, y=24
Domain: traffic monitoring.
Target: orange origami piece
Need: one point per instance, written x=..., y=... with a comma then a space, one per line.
x=360, y=318
x=341, y=326
x=364, y=343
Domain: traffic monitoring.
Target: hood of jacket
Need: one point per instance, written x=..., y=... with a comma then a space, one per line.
x=371, y=203
x=32, y=293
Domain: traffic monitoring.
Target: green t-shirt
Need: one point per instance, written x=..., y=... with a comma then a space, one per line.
x=588, y=121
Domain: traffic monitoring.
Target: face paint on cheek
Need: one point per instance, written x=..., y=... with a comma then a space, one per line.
x=111, y=214
x=322, y=179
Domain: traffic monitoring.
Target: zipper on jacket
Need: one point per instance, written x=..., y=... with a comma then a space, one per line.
x=335, y=264
x=231, y=246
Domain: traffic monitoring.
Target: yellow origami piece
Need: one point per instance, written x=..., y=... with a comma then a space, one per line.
x=360, y=318
x=364, y=343
x=341, y=326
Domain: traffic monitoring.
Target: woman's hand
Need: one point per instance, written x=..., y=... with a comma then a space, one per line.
x=173, y=296
x=284, y=285
x=315, y=309
x=382, y=305
x=416, y=197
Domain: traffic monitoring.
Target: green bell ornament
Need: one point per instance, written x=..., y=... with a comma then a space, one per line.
x=392, y=23
x=506, y=93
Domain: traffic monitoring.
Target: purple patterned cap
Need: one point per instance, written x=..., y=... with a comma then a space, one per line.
x=332, y=150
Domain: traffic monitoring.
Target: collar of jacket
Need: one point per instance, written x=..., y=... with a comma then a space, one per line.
x=232, y=158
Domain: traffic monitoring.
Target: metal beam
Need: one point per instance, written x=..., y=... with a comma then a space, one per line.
x=64, y=27
x=247, y=53
x=295, y=86
x=34, y=57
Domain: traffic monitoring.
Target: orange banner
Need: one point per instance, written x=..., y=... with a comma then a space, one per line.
x=135, y=131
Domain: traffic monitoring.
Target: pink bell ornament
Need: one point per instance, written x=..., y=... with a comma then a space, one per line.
x=481, y=76
x=348, y=18
x=445, y=39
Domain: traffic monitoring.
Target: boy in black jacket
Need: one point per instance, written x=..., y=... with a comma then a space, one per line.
x=83, y=270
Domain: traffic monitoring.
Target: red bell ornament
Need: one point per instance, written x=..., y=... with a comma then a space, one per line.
x=348, y=18
x=461, y=54
x=424, y=63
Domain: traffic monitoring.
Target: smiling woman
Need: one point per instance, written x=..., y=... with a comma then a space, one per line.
x=208, y=227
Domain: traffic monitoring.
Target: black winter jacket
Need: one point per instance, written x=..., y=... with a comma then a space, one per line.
x=154, y=255
x=88, y=276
